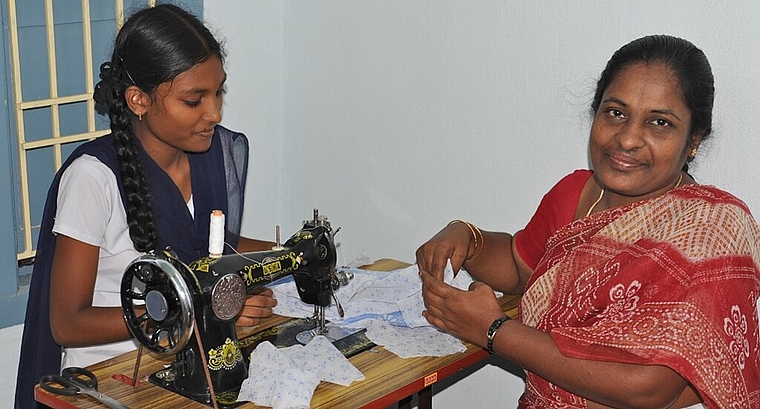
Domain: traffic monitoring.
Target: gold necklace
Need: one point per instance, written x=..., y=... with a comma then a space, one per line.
x=598, y=199
x=601, y=194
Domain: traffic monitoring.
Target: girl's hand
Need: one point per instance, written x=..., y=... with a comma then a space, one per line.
x=256, y=307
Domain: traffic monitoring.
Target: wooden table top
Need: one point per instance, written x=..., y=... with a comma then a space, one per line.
x=388, y=378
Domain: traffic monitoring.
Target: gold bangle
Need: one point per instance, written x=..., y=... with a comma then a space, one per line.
x=478, y=250
x=476, y=233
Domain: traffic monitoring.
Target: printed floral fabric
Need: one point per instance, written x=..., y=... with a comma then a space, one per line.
x=388, y=304
x=285, y=378
x=669, y=281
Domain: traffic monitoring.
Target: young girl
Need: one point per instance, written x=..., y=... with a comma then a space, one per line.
x=150, y=184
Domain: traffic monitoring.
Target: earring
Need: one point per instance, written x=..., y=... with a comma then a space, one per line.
x=693, y=152
x=139, y=117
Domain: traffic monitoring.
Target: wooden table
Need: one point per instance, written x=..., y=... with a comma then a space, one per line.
x=388, y=378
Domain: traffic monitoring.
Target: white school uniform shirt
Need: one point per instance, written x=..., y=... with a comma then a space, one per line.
x=90, y=210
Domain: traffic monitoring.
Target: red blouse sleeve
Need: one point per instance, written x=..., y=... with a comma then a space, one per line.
x=557, y=208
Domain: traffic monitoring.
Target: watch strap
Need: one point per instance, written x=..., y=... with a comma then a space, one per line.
x=492, y=332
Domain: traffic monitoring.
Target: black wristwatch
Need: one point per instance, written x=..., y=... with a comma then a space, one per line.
x=492, y=332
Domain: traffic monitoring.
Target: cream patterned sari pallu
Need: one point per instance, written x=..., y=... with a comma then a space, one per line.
x=669, y=281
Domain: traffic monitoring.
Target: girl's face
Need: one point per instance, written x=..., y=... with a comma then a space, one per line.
x=183, y=112
x=640, y=137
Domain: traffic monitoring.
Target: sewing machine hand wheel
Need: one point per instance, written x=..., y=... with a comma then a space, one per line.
x=157, y=303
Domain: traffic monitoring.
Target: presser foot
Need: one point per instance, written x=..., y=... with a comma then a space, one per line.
x=331, y=332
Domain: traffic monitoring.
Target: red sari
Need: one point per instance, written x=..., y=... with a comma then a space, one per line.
x=671, y=280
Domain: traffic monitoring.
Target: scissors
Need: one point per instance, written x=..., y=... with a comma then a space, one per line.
x=75, y=380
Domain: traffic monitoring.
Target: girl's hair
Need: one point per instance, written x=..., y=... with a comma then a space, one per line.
x=687, y=62
x=154, y=46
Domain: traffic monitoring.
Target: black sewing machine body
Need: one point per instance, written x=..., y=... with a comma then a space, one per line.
x=164, y=299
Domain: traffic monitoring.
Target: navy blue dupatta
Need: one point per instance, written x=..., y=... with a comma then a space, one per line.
x=218, y=181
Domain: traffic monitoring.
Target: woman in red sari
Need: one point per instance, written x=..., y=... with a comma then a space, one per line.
x=640, y=286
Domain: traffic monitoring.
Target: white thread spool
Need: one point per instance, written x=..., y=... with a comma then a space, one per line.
x=216, y=234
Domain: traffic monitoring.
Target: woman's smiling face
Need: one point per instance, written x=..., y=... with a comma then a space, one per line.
x=641, y=135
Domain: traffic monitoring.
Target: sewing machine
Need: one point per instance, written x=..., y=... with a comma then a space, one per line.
x=189, y=310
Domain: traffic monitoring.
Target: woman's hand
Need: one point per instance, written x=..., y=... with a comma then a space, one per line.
x=256, y=307
x=451, y=243
x=464, y=314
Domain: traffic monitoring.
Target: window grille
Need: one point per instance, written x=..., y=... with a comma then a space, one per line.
x=55, y=55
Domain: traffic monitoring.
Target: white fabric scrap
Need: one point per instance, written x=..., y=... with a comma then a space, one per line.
x=412, y=342
x=285, y=378
x=388, y=303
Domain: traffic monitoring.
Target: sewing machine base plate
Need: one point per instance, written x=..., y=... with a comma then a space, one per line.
x=281, y=335
x=224, y=400
x=285, y=334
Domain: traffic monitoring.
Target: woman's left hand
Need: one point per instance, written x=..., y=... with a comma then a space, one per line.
x=464, y=314
x=256, y=307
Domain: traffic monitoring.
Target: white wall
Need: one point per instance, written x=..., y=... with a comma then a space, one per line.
x=393, y=117
x=398, y=116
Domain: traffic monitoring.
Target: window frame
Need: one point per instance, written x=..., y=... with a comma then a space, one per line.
x=17, y=250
